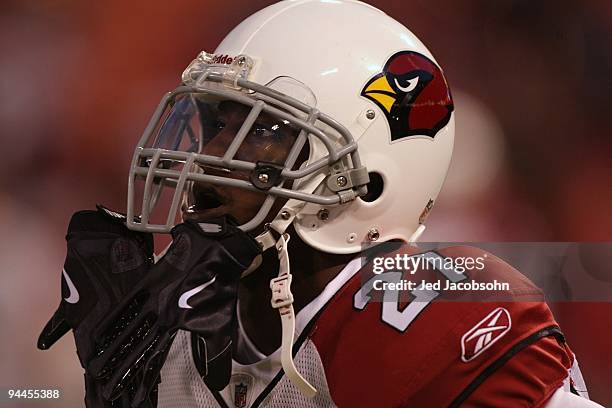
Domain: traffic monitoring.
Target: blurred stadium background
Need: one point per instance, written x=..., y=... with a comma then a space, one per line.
x=78, y=80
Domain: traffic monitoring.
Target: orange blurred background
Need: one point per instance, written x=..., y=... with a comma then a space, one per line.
x=79, y=80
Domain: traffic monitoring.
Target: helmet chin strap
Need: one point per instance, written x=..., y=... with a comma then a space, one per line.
x=282, y=298
x=416, y=234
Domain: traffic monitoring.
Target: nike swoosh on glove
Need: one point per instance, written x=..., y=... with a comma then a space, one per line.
x=104, y=261
x=194, y=287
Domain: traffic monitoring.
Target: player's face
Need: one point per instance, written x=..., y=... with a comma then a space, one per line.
x=270, y=139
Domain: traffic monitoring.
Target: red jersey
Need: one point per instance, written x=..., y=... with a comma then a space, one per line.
x=468, y=348
x=363, y=347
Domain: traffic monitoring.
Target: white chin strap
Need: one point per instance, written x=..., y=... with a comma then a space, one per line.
x=282, y=298
x=417, y=234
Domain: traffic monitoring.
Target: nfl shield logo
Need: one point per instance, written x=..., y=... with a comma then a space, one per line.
x=240, y=389
x=240, y=395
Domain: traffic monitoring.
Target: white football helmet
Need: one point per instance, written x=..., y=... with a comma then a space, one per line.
x=351, y=84
x=367, y=96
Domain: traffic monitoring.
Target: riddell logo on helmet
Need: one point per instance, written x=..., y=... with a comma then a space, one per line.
x=222, y=59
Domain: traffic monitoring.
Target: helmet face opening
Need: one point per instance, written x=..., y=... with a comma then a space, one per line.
x=193, y=123
x=240, y=135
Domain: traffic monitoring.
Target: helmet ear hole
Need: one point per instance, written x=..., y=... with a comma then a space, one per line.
x=375, y=187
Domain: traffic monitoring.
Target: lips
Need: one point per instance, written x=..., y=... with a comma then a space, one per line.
x=205, y=203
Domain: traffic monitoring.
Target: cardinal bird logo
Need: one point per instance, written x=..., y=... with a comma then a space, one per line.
x=413, y=93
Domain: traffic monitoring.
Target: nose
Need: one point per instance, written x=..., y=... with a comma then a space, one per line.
x=218, y=145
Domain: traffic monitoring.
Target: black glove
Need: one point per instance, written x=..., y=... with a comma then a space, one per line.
x=194, y=287
x=104, y=261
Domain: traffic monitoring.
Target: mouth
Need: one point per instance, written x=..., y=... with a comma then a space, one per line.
x=206, y=200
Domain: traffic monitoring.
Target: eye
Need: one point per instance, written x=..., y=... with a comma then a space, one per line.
x=409, y=84
x=218, y=124
x=211, y=127
x=260, y=130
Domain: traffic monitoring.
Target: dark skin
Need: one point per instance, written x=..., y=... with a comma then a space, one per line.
x=270, y=140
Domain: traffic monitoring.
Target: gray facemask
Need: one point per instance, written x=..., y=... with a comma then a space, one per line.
x=220, y=128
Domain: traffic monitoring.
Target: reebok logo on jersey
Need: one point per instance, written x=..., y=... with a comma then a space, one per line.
x=182, y=302
x=485, y=334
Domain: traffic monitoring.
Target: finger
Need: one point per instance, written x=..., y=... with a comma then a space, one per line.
x=199, y=353
x=151, y=375
x=119, y=334
x=219, y=370
x=55, y=328
x=93, y=397
x=213, y=359
x=124, y=350
x=132, y=364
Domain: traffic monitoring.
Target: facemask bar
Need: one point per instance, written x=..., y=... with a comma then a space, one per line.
x=264, y=178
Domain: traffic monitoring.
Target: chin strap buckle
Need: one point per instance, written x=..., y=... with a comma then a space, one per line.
x=281, y=292
x=282, y=299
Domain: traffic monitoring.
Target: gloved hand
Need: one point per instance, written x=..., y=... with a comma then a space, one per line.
x=104, y=261
x=194, y=287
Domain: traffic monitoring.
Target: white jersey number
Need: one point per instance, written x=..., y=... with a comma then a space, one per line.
x=390, y=302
